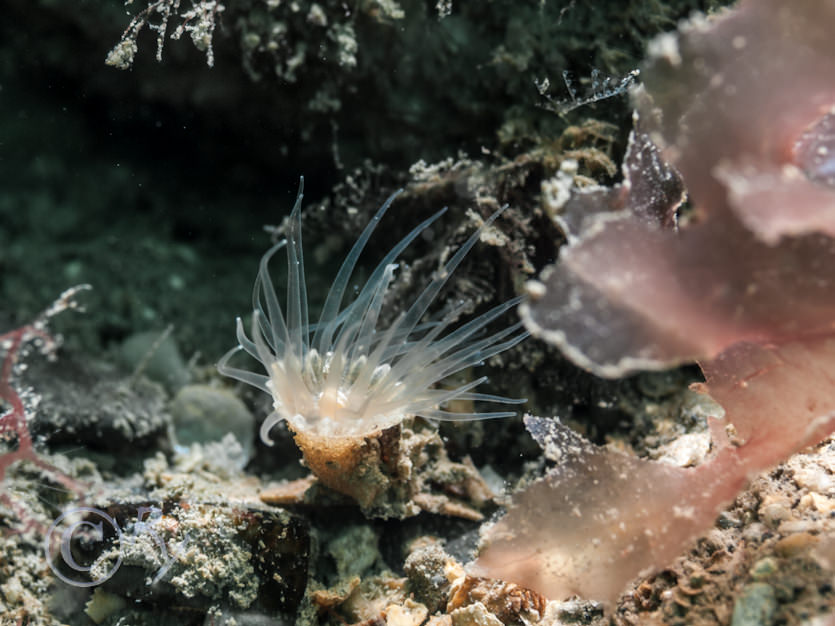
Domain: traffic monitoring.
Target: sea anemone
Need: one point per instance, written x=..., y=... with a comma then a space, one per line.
x=344, y=376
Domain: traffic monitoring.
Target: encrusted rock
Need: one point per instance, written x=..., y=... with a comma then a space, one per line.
x=190, y=555
x=508, y=602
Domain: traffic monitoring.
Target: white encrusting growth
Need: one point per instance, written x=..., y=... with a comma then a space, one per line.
x=345, y=376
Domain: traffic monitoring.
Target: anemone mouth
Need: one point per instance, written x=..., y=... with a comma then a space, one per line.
x=345, y=375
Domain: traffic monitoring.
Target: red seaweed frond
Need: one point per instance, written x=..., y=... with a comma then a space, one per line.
x=743, y=106
x=13, y=421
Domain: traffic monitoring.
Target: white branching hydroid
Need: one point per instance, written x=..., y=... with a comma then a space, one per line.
x=345, y=376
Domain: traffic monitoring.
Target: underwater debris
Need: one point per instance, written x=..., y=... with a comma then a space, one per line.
x=603, y=86
x=199, y=22
x=511, y=604
x=344, y=386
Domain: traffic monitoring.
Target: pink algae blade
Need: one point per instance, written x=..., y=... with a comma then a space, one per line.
x=780, y=398
x=742, y=106
x=629, y=298
x=600, y=518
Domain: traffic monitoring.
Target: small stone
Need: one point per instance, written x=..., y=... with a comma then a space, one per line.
x=573, y=612
x=797, y=526
x=775, y=509
x=410, y=613
x=508, y=602
x=794, y=544
x=754, y=533
x=475, y=614
x=354, y=551
x=696, y=580
x=685, y=451
x=103, y=604
x=756, y=606
x=764, y=568
x=203, y=414
x=426, y=569
x=814, y=478
x=817, y=502
x=726, y=520
x=157, y=356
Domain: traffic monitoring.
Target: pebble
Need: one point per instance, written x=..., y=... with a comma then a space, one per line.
x=764, y=568
x=775, y=509
x=756, y=606
x=157, y=356
x=794, y=544
x=203, y=414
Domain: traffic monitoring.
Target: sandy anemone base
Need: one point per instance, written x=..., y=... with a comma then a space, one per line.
x=364, y=467
x=396, y=472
